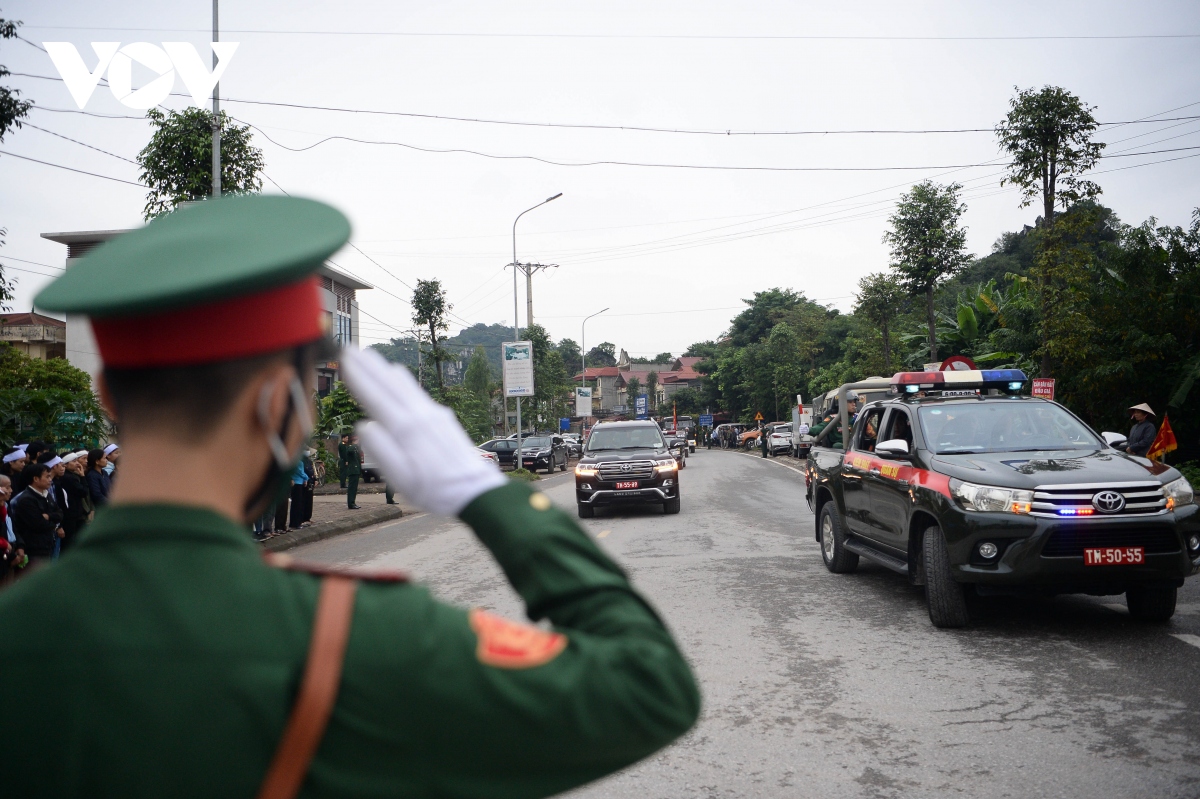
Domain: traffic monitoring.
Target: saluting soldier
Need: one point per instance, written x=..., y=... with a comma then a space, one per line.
x=354, y=459
x=186, y=664
x=342, y=444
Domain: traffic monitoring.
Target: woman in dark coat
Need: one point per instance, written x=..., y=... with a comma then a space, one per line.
x=98, y=481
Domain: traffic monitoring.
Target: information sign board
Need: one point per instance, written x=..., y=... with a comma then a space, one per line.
x=517, y=358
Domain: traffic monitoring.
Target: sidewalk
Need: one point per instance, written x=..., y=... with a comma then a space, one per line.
x=331, y=517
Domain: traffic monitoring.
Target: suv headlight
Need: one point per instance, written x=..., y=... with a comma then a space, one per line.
x=1179, y=493
x=991, y=498
x=585, y=471
x=669, y=464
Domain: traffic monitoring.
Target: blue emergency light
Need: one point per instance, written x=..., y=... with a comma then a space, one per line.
x=1010, y=380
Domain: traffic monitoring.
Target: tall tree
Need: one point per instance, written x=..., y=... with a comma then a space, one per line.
x=12, y=111
x=652, y=388
x=479, y=374
x=927, y=244
x=663, y=357
x=177, y=163
x=602, y=355
x=881, y=299
x=1048, y=134
x=633, y=387
x=571, y=355
x=430, y=310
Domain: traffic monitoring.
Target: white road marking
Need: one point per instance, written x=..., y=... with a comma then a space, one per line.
x=777, y=463
x=603, y=533
x=1188, y=638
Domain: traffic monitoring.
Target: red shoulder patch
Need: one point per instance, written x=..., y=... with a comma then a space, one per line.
x=510, y=645
x=282, y=561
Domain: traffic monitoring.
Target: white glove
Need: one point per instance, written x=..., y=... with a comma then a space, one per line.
x=425, y=453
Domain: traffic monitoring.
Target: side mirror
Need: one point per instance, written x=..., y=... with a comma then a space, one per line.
x=1116, y=440
x=895, y=448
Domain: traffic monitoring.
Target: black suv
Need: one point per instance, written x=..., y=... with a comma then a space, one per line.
x=544, y=452
x=996, y=494
x=626, y=463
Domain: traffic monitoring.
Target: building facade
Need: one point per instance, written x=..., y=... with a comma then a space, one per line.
x=35, y=335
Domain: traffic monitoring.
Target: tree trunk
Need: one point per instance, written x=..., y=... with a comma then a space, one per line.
x=933, y=354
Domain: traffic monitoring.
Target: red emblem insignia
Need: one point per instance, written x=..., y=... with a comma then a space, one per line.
x=509, y=645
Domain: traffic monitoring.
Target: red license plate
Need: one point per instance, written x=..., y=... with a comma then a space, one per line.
x=1114, y=556
x=627, y=484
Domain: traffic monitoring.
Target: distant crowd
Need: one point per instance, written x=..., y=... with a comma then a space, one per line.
x=47, y=498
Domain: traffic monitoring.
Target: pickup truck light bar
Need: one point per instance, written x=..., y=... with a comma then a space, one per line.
x=1010, y=380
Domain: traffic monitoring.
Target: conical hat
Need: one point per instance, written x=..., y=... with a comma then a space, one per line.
x=1142, y=407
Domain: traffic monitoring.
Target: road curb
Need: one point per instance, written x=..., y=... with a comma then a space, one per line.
x=319, y=532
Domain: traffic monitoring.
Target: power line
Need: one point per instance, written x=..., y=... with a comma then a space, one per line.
x=643, y=36
x=35, y=263
x=600, y=126
x=72, y=169
x=76, y=141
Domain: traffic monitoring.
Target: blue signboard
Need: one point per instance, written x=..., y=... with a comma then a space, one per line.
x=641, y=404
x=564, y=424
x=706, y=420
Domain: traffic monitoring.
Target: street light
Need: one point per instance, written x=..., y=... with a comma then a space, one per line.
x=516, y=320
x=583, y=352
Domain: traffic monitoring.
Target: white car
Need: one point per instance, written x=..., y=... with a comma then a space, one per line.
x=780, y=439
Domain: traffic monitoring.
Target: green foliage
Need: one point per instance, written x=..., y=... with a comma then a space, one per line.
x=604, y=354
x=429, y=310
x=927, y=244
x=6, y=286
x=12, y=108
x=1190, y=470
x=881, y=299
x=47, y=400
x=652, y=387
x=524, y=474
x=478, y=378
x=1048, y=135
x=633, y=387
x=473, y=412
x=552, y=385
x=571, y=355
x=177, y=163
x=337, y=411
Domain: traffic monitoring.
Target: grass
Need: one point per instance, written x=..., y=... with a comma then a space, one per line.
x=524, y=474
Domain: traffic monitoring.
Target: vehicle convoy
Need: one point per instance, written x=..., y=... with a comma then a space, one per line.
x=956, y=481
x=678, y=446
x=544, y=452
x=626, y=463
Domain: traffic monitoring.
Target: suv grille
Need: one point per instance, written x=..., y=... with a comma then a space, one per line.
x=1139, y=499
x=1068, y=542
x=627, y=470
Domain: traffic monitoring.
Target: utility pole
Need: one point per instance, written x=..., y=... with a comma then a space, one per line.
x=516, y=332
x=529, y=270
x=216, y=122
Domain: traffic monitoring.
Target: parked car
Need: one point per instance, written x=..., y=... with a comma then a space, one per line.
x=487, y=455
x=505, y=449
x=779, y=438
x=544, y=452
x=678, y=445
x=574, y=444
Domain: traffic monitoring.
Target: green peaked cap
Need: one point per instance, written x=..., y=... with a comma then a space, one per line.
x=200, y=253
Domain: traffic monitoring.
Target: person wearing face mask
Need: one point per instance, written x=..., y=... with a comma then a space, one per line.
x=174, y=645
x=74, y=497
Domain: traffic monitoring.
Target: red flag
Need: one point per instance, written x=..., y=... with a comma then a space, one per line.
x=1164, y=442
x=675, y=414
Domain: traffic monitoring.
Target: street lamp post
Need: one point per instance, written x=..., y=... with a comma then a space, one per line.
x=516, y=320
x=583, y=353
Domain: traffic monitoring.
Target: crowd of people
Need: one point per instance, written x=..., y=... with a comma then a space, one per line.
x=47, y=498
x=292, y=510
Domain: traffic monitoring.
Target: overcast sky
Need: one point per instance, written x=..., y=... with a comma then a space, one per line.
x=670, y=251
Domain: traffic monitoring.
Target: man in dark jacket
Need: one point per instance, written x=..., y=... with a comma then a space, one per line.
x=1141, y=435
x=74, y=497
x=36, y=519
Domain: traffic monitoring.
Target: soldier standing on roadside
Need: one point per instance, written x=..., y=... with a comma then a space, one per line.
x=184, y=664
x=342, y=444
x=353, y=472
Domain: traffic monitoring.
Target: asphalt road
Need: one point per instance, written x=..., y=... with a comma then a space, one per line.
x=828, y=685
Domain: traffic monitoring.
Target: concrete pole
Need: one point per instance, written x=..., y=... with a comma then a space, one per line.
x=216, y=129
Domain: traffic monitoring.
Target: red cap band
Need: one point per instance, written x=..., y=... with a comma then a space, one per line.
x=224, y=330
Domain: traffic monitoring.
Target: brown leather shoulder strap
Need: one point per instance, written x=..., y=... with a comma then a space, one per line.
x=318, y=690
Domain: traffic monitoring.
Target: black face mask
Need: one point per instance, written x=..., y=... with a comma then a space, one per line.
x=278, y=478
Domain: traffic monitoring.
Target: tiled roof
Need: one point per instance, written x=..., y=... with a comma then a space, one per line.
x=598, y=371
x=15, y=319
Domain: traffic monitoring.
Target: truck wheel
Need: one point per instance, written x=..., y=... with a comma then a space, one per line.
x=1151, y=602
x=586, y=511
x=838, y=559
x=671, y=505
x=946, y=598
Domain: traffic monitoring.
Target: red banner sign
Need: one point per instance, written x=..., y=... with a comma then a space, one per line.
x=1043, y=387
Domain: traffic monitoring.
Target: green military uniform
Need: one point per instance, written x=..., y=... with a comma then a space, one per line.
x=353, y=473
x=179, y=681
x=834, y=439
x=163, y=654
x=341, y=464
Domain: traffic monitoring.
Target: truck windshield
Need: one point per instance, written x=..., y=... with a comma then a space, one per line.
x=1004, y=426
x=646, y=437
x=535, y=442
